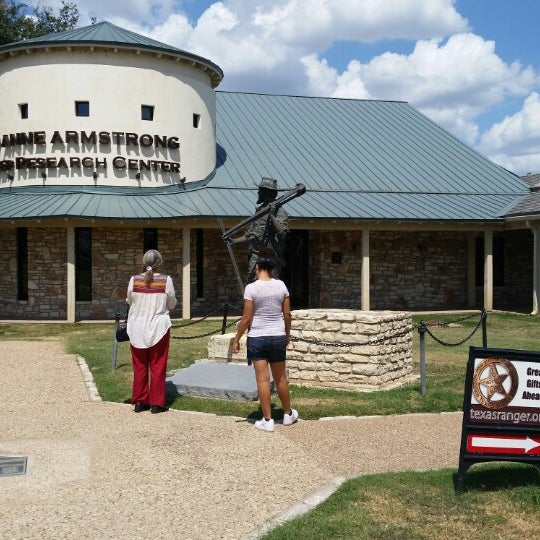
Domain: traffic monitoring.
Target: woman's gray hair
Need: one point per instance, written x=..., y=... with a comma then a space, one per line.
x=152, y=260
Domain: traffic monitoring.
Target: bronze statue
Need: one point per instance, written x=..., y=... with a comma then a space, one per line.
x=270, y=229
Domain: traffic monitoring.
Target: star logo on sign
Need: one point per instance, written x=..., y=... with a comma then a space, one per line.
x=495, y=383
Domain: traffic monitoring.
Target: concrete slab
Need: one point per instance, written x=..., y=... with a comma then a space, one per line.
x=214, y=380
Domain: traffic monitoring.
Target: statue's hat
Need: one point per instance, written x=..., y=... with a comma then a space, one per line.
x=268, y=183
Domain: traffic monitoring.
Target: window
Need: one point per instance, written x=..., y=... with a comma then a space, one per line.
x=147, y=112
x=150, y=239
x=22, y=263
x=200, y=262
x=23, y=108
x=196, y=120
x=83, y=263
x=82, y=108
x=498, y=261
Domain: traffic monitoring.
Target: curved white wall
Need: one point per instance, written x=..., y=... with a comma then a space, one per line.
x=115, y=84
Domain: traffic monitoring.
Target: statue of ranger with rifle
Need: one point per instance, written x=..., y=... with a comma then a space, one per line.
x=269, y=225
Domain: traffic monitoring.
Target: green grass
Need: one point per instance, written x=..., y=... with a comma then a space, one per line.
x=445, y=366
x=501, y=501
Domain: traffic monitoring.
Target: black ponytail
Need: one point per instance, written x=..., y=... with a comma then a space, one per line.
x=266, y=260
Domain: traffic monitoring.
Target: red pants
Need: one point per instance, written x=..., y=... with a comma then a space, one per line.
x=149, y=372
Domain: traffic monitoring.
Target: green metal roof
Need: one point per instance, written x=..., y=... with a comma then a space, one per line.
x=360, y=160
x=109, y=35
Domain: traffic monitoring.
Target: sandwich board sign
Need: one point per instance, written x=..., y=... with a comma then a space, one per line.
x=501, y=409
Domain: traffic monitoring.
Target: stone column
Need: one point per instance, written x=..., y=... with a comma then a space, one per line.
x=365, y=270
x=186, y=273
x=70, y=270
x=488, y=270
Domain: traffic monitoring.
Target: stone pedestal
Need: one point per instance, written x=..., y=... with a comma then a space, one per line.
x=350, y=349
x=340, y=348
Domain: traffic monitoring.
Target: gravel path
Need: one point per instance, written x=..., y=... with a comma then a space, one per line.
x=96, y=470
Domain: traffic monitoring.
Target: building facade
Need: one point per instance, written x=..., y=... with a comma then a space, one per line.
x=112, y=143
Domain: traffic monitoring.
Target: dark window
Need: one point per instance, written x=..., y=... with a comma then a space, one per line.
x=498, y=261
x=147, y=112
x=82, y=108
x=196, y=120
x=23, y=107
x=150, y=239
x=22, y=263
x=200, y=263
x=83, y=263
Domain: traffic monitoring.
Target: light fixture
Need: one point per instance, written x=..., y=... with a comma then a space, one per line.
x=94, y=174
x=43, y=175
x=138, y=176
x=10, y=177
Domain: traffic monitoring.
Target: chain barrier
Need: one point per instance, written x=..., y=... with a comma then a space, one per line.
x=203, y=318
x=424, y=328
x=213, y=332
x=378, y=341
x=224, y=307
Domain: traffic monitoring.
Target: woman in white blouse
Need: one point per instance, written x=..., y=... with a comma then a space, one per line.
x=150, y=296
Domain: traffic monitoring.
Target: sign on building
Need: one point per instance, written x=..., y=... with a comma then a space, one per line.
x=501, y=409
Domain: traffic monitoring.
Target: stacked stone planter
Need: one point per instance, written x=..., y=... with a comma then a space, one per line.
x=338, y=348
x=351, y=350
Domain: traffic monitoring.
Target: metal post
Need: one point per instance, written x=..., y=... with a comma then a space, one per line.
x=422, y=329
x=484, y=329
x=224, y=322
x=115, y=343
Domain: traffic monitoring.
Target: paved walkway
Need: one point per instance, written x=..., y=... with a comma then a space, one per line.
x=96, y=470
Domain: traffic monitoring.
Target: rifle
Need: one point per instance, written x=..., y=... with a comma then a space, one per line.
x=300, y=189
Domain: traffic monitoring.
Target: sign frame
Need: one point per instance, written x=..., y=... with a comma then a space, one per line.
x=492, y=429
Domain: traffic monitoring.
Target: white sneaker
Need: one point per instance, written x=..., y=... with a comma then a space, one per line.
x=265, y=425
x=289, y=419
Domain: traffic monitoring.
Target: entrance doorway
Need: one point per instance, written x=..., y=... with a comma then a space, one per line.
x=296, y=274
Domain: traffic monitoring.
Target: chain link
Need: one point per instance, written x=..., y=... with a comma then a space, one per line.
x=377, y=341
x=424, y=327
x=203, y=318
x=372, y=342
x=213, y=332
x=446, y=344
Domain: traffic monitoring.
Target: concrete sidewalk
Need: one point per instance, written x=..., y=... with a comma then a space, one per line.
x=98, y=470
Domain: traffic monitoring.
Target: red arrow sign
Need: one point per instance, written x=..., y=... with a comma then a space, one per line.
x=503, y=444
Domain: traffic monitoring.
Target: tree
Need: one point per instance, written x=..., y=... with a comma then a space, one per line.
x=18, y=21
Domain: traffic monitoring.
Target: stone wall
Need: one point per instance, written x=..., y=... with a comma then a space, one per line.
x=220, y=284
x=350, y=350
x=46, y=274
x=116, y=255
x=409, y=271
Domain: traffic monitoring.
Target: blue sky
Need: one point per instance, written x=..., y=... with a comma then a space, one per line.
x=473, y=66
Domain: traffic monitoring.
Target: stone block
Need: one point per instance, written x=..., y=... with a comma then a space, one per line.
x=220, y=349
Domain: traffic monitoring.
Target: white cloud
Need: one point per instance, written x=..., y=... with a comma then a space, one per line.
x=515, y=142
x=451, y=82
x=318, y=23
x=278, y=47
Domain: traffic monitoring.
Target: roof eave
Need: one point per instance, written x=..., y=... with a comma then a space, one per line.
x=214, y=72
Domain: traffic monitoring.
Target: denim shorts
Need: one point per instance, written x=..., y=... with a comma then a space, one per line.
x=271, y=348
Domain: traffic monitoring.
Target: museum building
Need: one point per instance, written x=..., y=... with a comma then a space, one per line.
x=112, y=143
